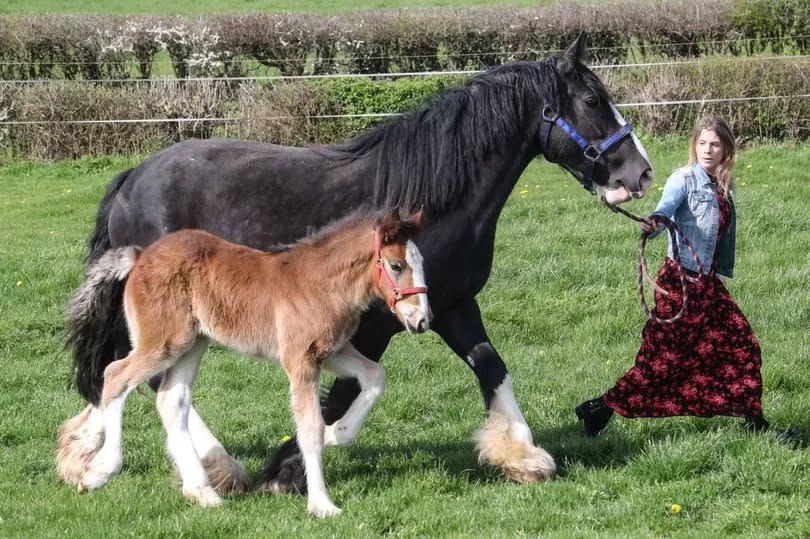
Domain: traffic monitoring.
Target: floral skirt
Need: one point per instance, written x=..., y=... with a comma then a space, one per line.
x=705, y=364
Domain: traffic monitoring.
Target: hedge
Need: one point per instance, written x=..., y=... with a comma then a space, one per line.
x=94, y=46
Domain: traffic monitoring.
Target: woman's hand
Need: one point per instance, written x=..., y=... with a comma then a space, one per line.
x=649, y=224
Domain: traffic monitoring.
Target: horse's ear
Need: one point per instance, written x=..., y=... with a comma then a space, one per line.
x=576, y=50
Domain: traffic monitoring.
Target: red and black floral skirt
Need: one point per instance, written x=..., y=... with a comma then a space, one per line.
x=705, y=364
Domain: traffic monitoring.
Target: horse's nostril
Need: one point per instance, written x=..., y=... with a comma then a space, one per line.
x=422, y=325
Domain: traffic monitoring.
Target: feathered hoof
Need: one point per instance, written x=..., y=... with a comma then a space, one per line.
x=203, y=496
x=79, y=440
x=520, y=460
x=225, y=474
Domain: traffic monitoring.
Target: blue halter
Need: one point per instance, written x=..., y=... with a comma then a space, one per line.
x=592, y=152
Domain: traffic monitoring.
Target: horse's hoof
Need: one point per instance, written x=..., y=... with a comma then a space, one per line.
x=323, y=509
x=225, y=474
x=204, y=496
x=519, y=459
x=283, y=471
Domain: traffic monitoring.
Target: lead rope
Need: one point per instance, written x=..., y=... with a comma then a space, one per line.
x=642, y=263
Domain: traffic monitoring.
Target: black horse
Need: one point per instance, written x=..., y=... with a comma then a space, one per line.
x=458, y=157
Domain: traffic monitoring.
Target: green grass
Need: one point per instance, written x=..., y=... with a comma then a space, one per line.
x=189, y=7
x=560, y=307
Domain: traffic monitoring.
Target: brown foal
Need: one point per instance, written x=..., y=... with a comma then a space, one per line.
x=299, y=305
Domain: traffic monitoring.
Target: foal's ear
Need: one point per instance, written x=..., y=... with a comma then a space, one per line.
x=416, y=219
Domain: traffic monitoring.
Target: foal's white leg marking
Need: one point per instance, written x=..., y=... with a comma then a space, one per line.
x=309, y=427
x=108, y=460
x=349, y=363
x=225, y=473
x=80, y=438
x=174, y=401
x=505, y=440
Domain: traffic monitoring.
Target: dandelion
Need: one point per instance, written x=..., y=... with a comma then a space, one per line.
x=286, y=438
x=660, y=189
x=744, y=184
x=675, y=508
x=524, y=191
x=749, y=165
x=19, y=283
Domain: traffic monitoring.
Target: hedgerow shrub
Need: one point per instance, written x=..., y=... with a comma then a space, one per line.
x=72, y=46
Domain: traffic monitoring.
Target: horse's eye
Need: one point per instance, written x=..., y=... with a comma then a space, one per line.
x=591, y=101
x=396, y=267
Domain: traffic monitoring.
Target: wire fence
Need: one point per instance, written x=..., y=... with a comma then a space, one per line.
x=273, y=78
x=702, y=101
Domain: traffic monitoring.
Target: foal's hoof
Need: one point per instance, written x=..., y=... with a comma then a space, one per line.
x=324, y=509
x=93, y=479
x=205, y=496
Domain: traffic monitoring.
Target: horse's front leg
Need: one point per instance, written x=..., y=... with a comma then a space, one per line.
x=505, y=440
x=349, y=363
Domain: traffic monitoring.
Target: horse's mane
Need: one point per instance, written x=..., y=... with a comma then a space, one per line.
x=428, y=157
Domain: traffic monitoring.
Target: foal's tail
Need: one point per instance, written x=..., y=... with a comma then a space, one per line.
x=93, y=314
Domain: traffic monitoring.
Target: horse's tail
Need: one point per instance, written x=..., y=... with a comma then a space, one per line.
x=100, y=241
x=93, y=315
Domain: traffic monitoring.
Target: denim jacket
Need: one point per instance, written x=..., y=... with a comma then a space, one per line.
x=690, y=199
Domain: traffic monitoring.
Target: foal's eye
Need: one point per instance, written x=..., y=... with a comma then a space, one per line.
x=396, y=266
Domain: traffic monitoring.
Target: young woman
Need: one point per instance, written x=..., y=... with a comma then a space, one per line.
x=708, y=362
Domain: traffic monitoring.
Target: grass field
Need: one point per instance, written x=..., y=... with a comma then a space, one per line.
x=560, y=307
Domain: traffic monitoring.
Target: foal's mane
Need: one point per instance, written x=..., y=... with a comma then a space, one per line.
x=429, y=156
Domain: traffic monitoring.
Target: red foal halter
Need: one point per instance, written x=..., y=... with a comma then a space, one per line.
x=399, y=293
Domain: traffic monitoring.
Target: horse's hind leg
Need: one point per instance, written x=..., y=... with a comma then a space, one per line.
x=80, y=438
x=174, y=401
x=348, y=362
x=120, y=378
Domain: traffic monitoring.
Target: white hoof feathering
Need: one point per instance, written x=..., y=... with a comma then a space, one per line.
x=521, y=461
x=323, y=509
x=95, y=477
x=205, y=496
x=80, y=438
x=225, y=473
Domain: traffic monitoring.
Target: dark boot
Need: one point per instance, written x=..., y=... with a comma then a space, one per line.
x=594, y=415
x=757, y=423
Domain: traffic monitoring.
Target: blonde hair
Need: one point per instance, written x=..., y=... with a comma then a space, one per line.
x=724, y=168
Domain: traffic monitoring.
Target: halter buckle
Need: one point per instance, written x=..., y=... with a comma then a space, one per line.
x=549, y=115
x=591, y=153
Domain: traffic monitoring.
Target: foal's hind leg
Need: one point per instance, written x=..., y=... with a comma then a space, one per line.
x=349, y=363
x=225, y=473
x=120, y=378
x=174, y=401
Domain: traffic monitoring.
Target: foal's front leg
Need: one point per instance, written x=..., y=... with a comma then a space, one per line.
x=304, y=375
